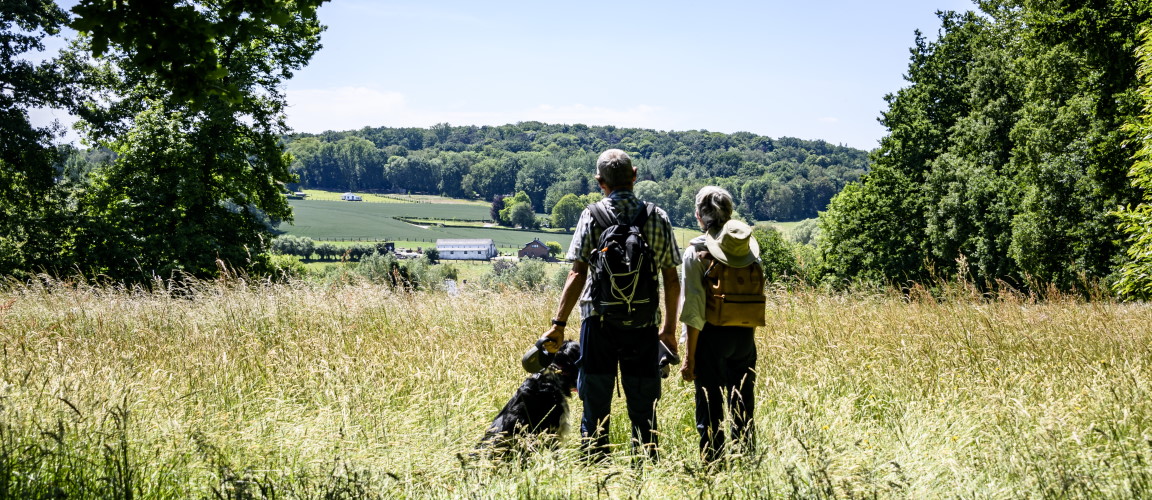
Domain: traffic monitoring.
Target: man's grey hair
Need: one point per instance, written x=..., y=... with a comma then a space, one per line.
x=714, y=204
x=614, y=168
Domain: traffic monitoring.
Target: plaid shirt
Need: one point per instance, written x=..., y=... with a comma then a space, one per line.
x=657, y=232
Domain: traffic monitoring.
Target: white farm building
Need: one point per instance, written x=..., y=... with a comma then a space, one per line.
x=466, y=249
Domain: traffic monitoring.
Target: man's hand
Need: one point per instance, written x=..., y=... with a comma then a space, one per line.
x=669, y=339
x=555, y=336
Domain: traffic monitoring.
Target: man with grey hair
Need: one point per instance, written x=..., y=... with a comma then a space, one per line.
x=605, y=346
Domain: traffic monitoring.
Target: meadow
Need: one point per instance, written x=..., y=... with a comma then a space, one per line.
x=237, y=389
x=323, y=217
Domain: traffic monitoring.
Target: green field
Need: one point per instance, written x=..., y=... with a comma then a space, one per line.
x=323, y=217
x=325, y=220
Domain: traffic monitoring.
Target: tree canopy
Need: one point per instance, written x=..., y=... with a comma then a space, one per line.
x=30, y=206
x=191, y=116
x=1005, y=156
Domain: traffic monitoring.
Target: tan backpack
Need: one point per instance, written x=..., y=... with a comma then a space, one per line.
x=735, y=295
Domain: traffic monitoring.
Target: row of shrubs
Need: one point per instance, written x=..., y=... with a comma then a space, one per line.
x=305, y=248
x=424, y=274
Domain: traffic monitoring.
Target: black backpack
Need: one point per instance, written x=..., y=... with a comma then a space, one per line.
x=625, y=288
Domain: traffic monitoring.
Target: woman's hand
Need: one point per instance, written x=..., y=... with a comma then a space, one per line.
x=688, y=370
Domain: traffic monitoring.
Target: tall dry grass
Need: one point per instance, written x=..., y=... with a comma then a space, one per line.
x=236, y=390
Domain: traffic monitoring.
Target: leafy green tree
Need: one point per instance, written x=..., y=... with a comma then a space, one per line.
x=1005, y=153
x=510, y=205
x=870, y=231
x=554, y=248
x=775, y=254
x=1070, y=155
x=1135, y=275
x=360, y=163
x=482, y=179
x=33, y=216
x=452, y=175
x=201, y=166
x=590, y=198
x=971, y=192
x=567, y=211
x=560, y=189
x=536, y=174
x=522, y=215
x=416, y=173
x=550, y=161
x=207, y=49
x=327, y=251
x=653, y=192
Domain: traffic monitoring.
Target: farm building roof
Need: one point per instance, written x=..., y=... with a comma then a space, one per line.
x=445, y=241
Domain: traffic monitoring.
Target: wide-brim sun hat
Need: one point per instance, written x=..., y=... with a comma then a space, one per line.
x=733, y=244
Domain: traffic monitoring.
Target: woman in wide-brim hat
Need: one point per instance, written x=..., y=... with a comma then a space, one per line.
x=719, y=360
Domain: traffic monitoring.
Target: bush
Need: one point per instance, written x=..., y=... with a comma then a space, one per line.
x=383, y=268
x=427, y=275
x=775, y=254
x=528, y=274
x=287, y=266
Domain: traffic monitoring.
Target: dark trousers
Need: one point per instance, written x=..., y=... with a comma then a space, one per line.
x=725, y=368
x=634, y=352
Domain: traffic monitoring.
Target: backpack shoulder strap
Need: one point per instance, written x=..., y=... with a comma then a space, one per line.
x=605, y=219
x=642, y=215
x=601, y=216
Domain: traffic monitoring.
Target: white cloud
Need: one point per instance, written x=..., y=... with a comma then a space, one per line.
x=352, y=108
x=343, y=108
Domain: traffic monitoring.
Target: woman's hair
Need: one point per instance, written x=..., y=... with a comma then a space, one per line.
x=714, y=204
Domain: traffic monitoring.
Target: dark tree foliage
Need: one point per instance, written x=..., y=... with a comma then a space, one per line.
x=32, y=215
x=195, y=119
x=781, y=179
x=1005, y=156
x=198, y=49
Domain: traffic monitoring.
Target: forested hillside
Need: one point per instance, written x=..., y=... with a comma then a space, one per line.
x=1007, y=154
x=773, y=179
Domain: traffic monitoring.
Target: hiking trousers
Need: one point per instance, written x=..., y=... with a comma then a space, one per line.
x=603, y=350
x=725, y=368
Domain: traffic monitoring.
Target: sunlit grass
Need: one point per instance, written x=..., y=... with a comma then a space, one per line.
x=356, y=390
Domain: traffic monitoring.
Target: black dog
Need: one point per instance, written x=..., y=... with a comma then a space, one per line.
x=539, y=407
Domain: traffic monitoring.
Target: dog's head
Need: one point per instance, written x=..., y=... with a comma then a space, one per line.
x=565, y=363
x=564, y=360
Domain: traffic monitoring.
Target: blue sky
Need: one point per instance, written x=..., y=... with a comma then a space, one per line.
x=815, y=69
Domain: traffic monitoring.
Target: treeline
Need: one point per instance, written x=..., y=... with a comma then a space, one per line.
x=1008, y=152
x=774, y=179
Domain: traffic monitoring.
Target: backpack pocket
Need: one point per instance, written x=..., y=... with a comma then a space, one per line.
x=746, y=310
